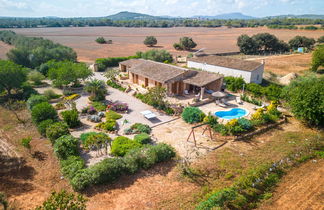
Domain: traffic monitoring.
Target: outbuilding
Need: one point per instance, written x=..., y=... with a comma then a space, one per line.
x=250, y=71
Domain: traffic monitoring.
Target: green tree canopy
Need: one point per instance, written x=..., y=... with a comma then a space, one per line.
x=12, y=76
x=187, y=43
x=305, y=96
x=156, y=55
x=64, y=73
x=150, y=41
x=101, y=40
x=266, y=41
x=318, y=58
x=301, y=41
x=247, y=45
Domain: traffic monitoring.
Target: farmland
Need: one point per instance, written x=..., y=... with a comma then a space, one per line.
x=127, y=41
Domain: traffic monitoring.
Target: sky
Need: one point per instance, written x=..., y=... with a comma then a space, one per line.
x=183, y=8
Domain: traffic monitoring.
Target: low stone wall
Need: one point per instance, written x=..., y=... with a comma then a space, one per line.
x=260, y=130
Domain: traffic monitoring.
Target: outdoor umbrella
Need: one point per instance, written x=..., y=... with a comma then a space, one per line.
x=219, y=94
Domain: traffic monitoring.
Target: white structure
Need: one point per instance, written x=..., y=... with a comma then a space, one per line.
x=250, y=71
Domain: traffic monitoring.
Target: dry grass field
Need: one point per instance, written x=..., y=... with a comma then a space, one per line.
x=127, y=41
x=4, y=48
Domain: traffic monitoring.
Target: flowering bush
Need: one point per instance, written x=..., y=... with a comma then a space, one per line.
x=118, y=107
x=72, y=97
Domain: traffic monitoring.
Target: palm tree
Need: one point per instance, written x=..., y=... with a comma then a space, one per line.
x=97, y=89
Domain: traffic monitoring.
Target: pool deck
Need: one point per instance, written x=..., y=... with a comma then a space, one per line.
x=213, y=107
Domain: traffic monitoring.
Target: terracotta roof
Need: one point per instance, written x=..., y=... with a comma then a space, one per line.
x=202, y=78
x=227, y=62
x=132, y=62
x=160, y=72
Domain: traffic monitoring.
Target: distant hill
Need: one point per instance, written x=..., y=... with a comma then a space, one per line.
x=227, y=16
x=132, y=16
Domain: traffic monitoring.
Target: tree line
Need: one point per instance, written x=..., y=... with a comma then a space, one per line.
x=15, y=22
x=265, y=42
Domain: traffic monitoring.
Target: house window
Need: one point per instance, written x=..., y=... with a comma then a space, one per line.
x=258, y=76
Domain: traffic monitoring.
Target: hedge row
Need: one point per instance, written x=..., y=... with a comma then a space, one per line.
x=104, y=63
x=111, y=169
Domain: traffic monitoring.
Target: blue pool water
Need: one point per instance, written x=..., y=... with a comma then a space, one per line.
x=232, y=114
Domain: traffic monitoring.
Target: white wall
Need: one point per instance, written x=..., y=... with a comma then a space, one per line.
x=248, y=76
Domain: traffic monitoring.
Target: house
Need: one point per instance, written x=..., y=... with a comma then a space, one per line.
x=250, y=71
x=175, y=79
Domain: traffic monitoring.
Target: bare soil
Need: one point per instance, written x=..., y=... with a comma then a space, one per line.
x=4, y=48
x=301, y=188
x=285, y=64
x=127, y=41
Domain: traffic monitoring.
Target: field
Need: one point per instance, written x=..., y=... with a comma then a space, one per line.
x=127, y=41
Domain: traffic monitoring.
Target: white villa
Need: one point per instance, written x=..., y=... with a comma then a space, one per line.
x=250, y=71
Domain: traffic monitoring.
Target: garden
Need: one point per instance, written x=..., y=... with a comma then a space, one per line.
x=126, y=155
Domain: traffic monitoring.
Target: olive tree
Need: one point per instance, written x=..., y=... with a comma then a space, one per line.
x=12, y=76
x=150, y=41
x=317, y=58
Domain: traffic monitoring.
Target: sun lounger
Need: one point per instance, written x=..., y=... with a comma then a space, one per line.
x=220, y=104
x=225, y=102
x=148, y=114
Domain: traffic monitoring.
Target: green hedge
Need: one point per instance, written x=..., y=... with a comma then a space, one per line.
x=121, y=145
x=42, y=126
x=34, y=100
x=104, y=63
x=111, y=169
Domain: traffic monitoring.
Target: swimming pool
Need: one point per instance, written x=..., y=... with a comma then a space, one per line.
x=232, y=114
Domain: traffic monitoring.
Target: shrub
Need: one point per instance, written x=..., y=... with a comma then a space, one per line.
x=59, y=106
x=156, y=55
x=192, y=115
x=121, y=145
x=84, y=136
x=25, y=142
x=220, y=128
x=142, y=138
x=111, y=115
x=57, y=130
x=43, y=111
x=255, y=89
x=211, y=120
x=42, y=126
x=164, y=152
x=234, y=83
x=71, y=117
x=71, y=166
x=141, y=128
x=66, y=146
x=103, y=63
x=72, y=97
x=63, y=200
x=34, y=100
x=99, y=106
x=233, y=127
x=115, y=85
x=35, y=77
x=245, y=124
x=139, y=158
x=108, y=125
x=118, y=107
x=50, y=94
